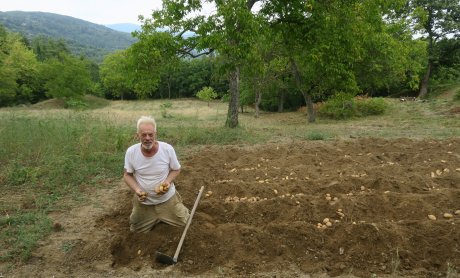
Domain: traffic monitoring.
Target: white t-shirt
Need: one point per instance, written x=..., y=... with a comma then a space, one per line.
x=150, y=172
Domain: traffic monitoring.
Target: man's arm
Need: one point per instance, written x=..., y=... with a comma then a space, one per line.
x=132, y=183
x=171, y=176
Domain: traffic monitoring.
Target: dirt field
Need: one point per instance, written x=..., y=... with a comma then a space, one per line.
x=262, y=216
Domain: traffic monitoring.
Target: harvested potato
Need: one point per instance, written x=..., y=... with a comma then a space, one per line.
x=431, y=217
x=448, y=215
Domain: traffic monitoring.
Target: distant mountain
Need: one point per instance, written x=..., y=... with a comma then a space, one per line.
x=124, y=27
x=84, y=38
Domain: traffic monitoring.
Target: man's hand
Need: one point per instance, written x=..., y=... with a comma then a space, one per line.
x=162, y=188
x=141, y=196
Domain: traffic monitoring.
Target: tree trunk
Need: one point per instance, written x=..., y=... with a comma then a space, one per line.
x=306, y=95
x=424, y=82
x=169, y=87
x=257, y=103
x=310, y=110
x=232, y=115
x=281, y=102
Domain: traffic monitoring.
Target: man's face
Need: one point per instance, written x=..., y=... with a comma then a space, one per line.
x=147, y=136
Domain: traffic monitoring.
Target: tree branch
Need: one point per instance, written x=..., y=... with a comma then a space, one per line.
x=188, y=52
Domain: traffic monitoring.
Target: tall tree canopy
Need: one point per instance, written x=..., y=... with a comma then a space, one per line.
x=329, y=45
x=434, y=20
x=229, y=31
x=18, y=69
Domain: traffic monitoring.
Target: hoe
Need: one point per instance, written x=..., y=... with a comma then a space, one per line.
x=165, y=259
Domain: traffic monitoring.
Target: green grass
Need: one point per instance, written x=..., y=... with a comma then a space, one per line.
x=46, y=160
x=50, y=157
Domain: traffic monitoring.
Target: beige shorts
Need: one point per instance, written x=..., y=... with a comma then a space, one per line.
x=144, y=217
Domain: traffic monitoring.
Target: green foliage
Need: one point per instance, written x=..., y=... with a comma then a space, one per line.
x=114, y=74
x=206, y=94
x=187, y=76
x=66, y=77
x=23, y=231
x=164, y=109
x=457, y=95
x=146, y=60
x=344, y=106
x=340, y=106
x=435, y=18
x=74, y=103
x=69, y=154
x=18, y=70
x=47, y=48
x=315, y=135
x=371, y=106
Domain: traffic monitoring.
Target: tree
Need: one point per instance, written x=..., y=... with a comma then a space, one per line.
x=18, y=69
x=434, y=20
x=147, y=60
x=206, y=94
x=67, y=77
x=320, y=42
x=391, y=58
x=114, y=74
x=228, y=31
x=326, y=41
x=47, y=48
x=264, y=72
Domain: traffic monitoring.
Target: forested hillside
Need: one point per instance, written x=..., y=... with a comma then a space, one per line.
x=83, y=38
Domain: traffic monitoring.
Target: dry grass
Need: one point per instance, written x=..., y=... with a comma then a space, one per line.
x=431, y=119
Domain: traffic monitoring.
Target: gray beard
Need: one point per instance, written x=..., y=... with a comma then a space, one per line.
x=148, y=148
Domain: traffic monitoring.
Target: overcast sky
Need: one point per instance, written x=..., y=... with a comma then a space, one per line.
x=95, y=11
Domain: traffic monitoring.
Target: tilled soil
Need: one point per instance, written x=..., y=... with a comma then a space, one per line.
x=263, y=213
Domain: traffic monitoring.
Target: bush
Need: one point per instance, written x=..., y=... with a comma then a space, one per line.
x=206, y=94
x=371, y=106
x=344, y=106
x=74, y=103
x=340, y=106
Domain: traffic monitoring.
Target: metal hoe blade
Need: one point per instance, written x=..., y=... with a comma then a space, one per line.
x=165, y=259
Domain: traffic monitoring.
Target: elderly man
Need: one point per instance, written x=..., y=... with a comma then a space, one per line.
x=150, y=169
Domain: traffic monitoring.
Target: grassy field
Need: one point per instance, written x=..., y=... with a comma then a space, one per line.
x=53, y=158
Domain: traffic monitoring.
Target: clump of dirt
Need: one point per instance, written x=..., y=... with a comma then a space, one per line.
x=265, y=213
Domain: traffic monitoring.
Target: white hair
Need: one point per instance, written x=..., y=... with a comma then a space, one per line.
x=146, y=120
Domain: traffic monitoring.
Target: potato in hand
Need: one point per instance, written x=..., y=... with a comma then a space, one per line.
x=162, y=189
x=142, y=196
